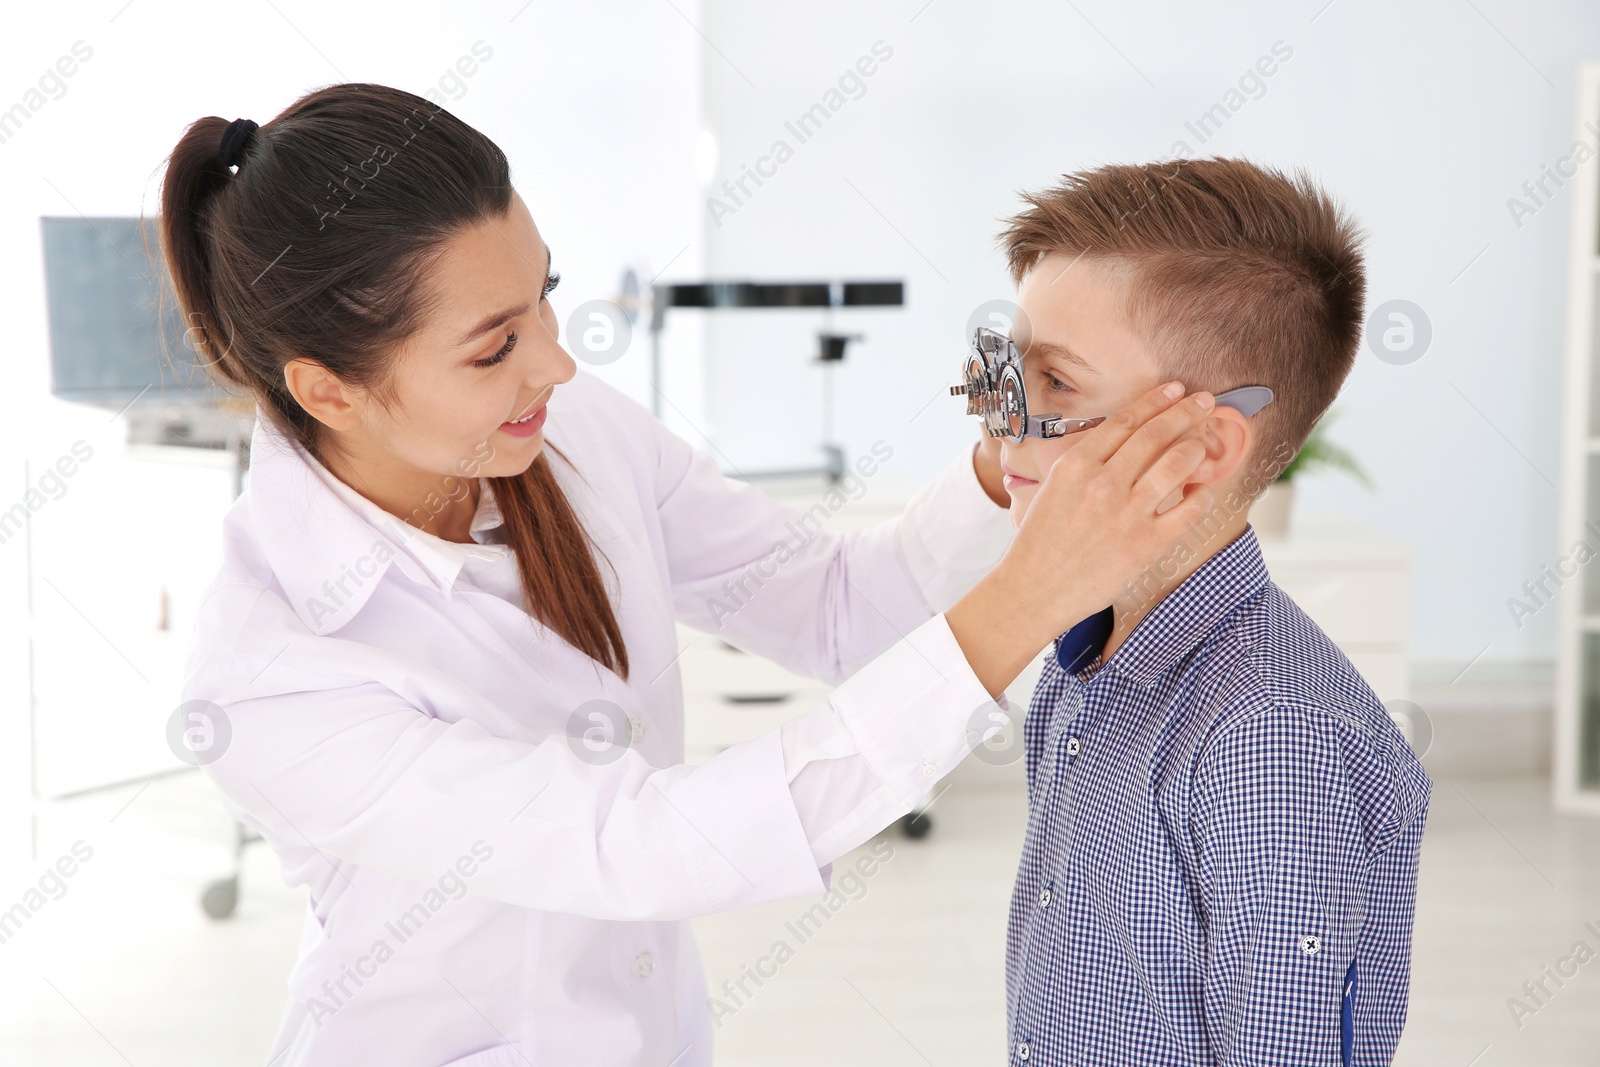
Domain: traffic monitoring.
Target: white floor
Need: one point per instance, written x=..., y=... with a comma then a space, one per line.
x=122, y=968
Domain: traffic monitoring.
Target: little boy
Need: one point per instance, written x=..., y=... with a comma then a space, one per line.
x=1221, y=855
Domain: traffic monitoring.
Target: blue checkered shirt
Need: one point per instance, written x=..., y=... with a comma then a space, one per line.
x=1221, y=856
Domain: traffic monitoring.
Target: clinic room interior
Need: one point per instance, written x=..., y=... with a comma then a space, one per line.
x=802, y=255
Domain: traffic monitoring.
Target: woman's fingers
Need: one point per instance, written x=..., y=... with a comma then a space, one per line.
x=1176, y=522
x=1156, y=437
x=1170, y=470
x=1093, y=523
x=1103, y=440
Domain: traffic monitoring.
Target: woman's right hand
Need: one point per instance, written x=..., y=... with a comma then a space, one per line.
x=1090, y=529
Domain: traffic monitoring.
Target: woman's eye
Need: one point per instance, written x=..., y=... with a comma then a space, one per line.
x=551, y=282
x=511, y=342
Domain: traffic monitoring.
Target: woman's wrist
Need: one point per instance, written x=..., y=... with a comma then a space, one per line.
x=1000, y=627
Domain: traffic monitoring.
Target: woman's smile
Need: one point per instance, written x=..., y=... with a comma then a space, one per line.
x=529, y=424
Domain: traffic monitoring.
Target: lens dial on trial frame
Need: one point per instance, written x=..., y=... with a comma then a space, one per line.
x=994, y=390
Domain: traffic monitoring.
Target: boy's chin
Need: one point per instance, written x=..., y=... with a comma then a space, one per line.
x=1019, y=506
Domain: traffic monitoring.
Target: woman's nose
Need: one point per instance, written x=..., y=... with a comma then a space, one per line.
x=563, y=364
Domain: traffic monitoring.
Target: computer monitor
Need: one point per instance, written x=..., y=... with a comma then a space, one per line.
x=107, y=324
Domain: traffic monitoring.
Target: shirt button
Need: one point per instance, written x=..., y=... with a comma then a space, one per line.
x=1074, y=746
x=1310, y=943
x=1023, y=1051
x=643, y=965
x=1045, y=898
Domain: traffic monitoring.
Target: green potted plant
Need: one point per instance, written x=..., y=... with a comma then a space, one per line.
x=1271, y=511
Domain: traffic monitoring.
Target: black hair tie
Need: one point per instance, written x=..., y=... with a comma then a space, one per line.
x=235, y=139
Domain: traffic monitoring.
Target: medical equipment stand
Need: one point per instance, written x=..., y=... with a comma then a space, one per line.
x=710, y=296
x=221, y=897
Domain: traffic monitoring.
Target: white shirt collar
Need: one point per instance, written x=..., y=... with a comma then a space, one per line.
x=329, y=546
x=443, y=558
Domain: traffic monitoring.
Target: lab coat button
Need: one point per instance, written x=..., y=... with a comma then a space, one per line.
x=928, y=769
x=635, y=728
x=643, y=965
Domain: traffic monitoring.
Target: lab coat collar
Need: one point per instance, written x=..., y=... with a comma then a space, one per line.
x=329, y=546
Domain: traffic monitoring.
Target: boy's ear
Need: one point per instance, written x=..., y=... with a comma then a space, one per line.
x=1227, y=436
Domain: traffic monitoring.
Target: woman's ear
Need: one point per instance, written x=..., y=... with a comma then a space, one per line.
x=323, y=396
x=1227, y=436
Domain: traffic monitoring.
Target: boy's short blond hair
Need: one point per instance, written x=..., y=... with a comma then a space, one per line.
x=1239, y=275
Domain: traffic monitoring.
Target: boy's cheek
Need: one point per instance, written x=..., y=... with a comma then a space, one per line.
x=1045, y=453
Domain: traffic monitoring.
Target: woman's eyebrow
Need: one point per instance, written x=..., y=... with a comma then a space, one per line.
x=500, y=318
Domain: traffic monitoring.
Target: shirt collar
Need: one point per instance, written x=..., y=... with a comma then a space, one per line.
x=1080, y=646
x=1184, y=617
x=329, y=546
x=443, y=559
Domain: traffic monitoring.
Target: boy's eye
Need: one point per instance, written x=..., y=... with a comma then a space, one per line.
x=511, y=342
x=1055, y=385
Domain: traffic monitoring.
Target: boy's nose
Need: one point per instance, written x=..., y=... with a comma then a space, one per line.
x=1024, y=447
x=1012, y=457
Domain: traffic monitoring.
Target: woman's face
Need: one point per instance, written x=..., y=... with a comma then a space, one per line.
x=485, y=356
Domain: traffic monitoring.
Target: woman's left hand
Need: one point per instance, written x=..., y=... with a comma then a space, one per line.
x=986, y=461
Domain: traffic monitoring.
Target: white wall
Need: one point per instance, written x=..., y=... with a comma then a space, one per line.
x=597, y=109
x=1424, y=117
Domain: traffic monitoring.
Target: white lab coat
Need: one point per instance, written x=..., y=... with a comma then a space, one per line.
x=486, y=890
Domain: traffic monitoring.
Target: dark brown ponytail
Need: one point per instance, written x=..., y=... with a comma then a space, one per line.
x=263, y=276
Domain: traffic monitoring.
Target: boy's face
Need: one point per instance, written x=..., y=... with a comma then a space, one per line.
x=1081, y=358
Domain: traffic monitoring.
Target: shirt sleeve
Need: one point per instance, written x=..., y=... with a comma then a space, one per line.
x=1285, y=875
x=838, y=793
x=952, y=534
x=343, y=773
x=773, y=581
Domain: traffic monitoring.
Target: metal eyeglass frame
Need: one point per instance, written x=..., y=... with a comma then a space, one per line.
x=995, y=391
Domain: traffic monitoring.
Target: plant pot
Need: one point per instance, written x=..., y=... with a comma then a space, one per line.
x=1271, y=511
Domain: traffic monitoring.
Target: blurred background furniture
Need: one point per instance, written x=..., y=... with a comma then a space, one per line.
x=831, y=344
x=1576, y=777
x=108, y=629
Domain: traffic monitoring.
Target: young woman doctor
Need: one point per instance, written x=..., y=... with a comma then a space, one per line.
x=410, y=635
